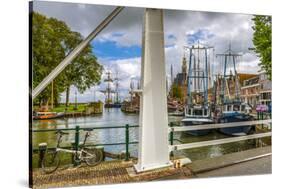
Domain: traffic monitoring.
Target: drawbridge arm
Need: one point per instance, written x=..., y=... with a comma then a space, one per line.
x=75, y=52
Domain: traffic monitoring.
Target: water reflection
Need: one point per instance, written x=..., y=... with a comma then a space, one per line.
x=115, y=117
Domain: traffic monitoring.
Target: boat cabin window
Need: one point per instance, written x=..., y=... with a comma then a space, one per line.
x=229, y=107
x=205, y=112
x=198, y=112
x=189, y=111
x=236, y=108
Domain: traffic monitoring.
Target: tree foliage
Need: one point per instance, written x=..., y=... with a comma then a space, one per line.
x=262, y=41
x=177, y=92
x=52, y=40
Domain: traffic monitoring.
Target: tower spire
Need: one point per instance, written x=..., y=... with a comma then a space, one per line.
x=172, y=74
x=184, y=65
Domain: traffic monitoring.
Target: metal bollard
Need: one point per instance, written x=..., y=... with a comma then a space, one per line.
x=127, y=140
x=77, y=137
x=76, y=144
x=73, y=146
x=42, y=149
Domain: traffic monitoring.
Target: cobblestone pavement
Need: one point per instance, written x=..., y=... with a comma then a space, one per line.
x=105, y=173
x=118, y=171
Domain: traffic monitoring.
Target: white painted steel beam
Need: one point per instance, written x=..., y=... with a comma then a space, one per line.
x=219, y=125
x=217, y=142
x=74, y=53
x=153, y=132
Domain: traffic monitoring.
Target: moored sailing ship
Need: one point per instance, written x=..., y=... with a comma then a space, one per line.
x=109, y=100
x=229, y=104
x=132, y=104
x=197, y=110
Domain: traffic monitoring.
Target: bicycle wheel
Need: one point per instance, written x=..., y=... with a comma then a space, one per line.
x=92, y=156
x=50, y=162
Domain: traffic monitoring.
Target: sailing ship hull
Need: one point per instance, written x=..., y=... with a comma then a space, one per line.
x=194, y=122
x=236, y=131
x=112, y=105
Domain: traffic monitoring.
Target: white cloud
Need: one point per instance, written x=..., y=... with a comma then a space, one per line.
x=224, y=28
x=127, y=69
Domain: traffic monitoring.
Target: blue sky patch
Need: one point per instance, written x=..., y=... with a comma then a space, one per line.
x=171, y=36
x=169, y=46
x=117, y=34
x=110, y=50
x=201, y=34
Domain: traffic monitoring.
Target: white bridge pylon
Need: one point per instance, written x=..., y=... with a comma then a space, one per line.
x=153, y=132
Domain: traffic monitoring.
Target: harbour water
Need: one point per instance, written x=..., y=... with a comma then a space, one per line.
x=115, y=117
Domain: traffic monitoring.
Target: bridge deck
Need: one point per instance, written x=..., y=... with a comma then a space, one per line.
x=109, y=172
x=254, y=161
x=244, y=157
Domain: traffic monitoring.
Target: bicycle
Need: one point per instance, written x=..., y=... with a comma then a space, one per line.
x=51, y=159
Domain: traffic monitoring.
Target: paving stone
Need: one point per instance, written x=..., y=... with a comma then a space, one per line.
x=109, y=172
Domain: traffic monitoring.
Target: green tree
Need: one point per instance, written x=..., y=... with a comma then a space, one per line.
x=84, y=72
x=177, y=92
x=52, y=40
x=262, y=41
x=46, y=52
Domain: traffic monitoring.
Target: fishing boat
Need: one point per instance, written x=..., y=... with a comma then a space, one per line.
x=197, y=110
x=235, y=112
x=231, y=106
x=47, y=115
x=197, y=115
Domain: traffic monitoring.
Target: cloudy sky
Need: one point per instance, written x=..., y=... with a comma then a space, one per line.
x=118, y=46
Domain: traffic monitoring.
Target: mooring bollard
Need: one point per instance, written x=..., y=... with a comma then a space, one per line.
x=42, y=149
x=127, y=142
x=171, y=138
